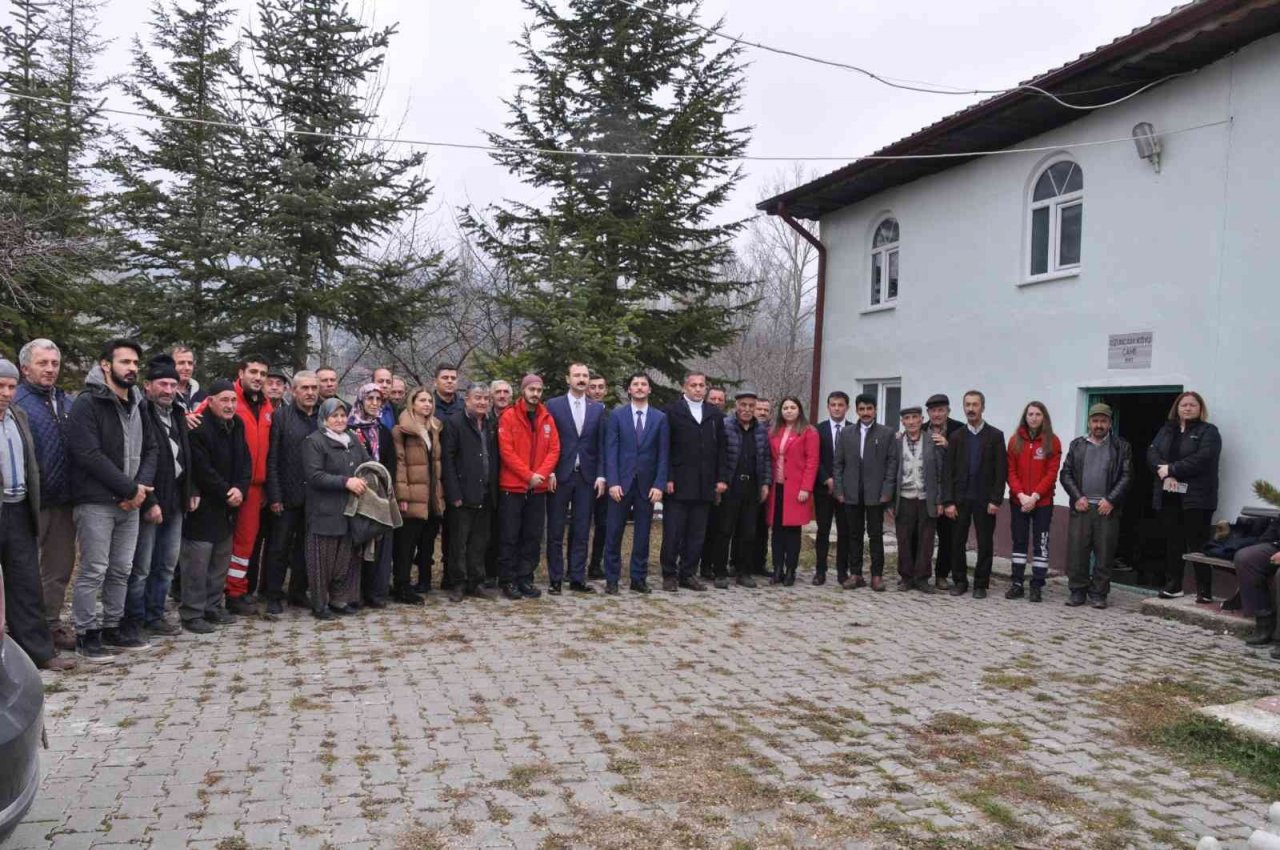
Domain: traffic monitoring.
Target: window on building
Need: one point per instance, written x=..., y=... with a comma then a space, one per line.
x=884, y=263
x=1057, y=219
x=888, y=395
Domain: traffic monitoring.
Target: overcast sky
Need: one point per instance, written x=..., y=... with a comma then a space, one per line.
x=452, y=63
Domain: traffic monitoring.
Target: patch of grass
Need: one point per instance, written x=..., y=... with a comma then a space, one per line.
x=1210, y=742
x=418, y=837
x=1009, y=681
x=522, y=777
x=235, y=842
x=305, y=703
x=500, y=814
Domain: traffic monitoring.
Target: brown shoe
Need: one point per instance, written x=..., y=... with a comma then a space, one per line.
x=853, y=583
x=64, y=637
x=877, y=584
x=59, y=664
x=670, y=585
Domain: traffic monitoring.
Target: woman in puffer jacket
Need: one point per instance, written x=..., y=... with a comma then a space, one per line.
x=420, y=492
x=1035, y=454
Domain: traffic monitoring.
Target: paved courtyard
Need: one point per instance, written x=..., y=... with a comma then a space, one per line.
x=782, y=717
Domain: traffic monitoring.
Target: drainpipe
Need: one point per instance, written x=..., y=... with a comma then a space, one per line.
x=819, y=308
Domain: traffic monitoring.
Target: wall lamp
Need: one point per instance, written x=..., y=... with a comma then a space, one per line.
x=1147, y=143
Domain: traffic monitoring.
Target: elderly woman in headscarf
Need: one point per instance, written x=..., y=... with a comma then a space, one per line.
x=366, y=426
x=420, y=492
x=330, y=458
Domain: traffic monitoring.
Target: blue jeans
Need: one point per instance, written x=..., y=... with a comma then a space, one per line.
x=154, y=561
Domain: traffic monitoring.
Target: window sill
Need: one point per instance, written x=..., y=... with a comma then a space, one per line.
x=879, y=308
x=1051, y=276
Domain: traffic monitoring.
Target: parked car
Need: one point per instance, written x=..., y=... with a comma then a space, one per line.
x=21, y=729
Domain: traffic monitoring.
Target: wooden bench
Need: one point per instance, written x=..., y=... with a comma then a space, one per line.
x=1226, y=566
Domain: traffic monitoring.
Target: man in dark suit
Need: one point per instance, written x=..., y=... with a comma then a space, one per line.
x=577, y=481
x=865, y=479
x=636, y=457
x=696, y=429
x=939, y=429
x=470, y=466
x=973, y=485
x=825, y=504
x=598, y=390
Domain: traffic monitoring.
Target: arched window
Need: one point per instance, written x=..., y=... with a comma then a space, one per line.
x=884, y=263
x=1057, y=219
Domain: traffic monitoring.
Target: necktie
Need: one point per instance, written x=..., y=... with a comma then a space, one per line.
x=639, y=426
x=577, y=415
x=836, y=439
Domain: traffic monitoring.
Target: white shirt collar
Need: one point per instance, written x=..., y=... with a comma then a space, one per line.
x=973, y=430
x=635, y=408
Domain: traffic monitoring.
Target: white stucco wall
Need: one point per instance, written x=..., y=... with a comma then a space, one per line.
x=1191, y=254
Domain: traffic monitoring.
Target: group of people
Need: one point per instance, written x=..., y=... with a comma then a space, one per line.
x=271, y=489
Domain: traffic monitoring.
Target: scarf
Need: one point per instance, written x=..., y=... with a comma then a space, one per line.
x=343, y=439
x=364, y=425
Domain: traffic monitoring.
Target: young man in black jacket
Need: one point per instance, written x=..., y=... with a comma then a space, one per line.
x=160, y=533
x=113, y=454
x=286, y=494
x=976, y=472
x=470, y=470
x=222, y=469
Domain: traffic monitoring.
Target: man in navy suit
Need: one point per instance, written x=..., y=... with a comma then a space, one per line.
x=635, y=468
x=696, y=431
x=825, y=504
x=577, y=481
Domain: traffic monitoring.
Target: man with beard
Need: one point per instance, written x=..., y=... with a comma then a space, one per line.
x=577, y=481
x=396, y=395
x=529, y=447
x=973, y=485
x=113, y=469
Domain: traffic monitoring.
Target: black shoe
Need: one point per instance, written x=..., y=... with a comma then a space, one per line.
x=347, y=610
x=455, y=594
x=89, y=647
x=819, y=579
x=409, y=597
x=904, y=585
x=199, y=626
x=788, y=580
x=926, y=587
x=853, y=583
x=528, y=591
x=1036, y=594
x=511, y=592
x=324, y=614
x=1015, y=591
x=692, y=583
x=479, y=592
x=670, y=585
x=121, y=638
x=1171, y=594
x=745, y=580
x=1264, y=633
x=242, y=606
x=491, y=583
x=1275, y=652
x=353, y=607
x=1099, y=602
x=299, y=601
x=580, y=587
x=595, y=572
x=721, y=583
x=941, y=583
x=611, y=588
x=219, y=617
x=1077, y=599
x=376, y=604
x=162, y=628
x=979, y=593
x=1204, y=599
x=959, y=589
x=554, y=588
x=422, y=588
x=641, y=586
x=275, y=608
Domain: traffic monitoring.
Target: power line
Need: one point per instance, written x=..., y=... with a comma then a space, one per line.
x=906, y=85
x=585, y=154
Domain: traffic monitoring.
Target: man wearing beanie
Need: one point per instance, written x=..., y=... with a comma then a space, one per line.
x=114, y=466
x=221, y=468
x=160, y=534
x=19, y=530
x=529, y=446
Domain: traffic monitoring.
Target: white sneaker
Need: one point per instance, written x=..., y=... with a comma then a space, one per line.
x=1164, y=594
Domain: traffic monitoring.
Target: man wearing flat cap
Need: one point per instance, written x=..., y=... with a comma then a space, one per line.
x=745, y=473
x=938, y=428
x=919, y=494
x=1096, y=473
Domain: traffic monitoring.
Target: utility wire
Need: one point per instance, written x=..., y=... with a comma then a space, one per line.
x=585, y=154
x=906, y=85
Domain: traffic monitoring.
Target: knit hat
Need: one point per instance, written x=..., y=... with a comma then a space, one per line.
x=8, y=370
x=529, y=380
x=329, y=405
x=221, y=386
x=1101, y=409
x=162, y=366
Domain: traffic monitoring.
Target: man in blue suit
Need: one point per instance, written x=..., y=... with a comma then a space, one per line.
x=577, y=481
x=635, y=467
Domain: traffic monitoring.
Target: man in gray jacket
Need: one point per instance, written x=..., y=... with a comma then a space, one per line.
x=865, y=478
x=919, y=484
x=1096, y=474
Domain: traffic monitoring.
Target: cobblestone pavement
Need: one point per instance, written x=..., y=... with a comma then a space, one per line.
x=805, y=716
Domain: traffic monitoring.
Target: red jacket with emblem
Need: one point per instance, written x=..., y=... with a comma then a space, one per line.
x=526, y=450
x=257, y=431
x=1033, y=469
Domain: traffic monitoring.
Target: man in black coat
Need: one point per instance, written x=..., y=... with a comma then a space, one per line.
x=973, y=484
x=222, y=469
x=160, y=533
x=826, y=506
x=695, y=431
x=939, y=429
x=287, y=492
x=470, y=467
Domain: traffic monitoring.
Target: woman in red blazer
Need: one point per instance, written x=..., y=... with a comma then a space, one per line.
x=794, y=445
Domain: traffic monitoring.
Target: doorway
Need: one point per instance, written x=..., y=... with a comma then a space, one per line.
x=1137, y=414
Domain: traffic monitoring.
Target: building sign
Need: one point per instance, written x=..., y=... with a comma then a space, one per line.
x=1129, y=351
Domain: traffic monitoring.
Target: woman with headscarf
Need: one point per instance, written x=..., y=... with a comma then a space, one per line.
x=330, y=458
x=420, y=493
x=366, y=426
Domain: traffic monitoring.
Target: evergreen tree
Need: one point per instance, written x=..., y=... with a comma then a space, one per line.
x=177, y=202
x=623, y=265
x=324, y=245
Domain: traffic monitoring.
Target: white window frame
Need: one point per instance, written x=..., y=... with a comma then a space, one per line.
x=883, y=415
x=882, y=254
x=1056, y=205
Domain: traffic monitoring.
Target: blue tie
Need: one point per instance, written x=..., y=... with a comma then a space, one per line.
x=639, y=426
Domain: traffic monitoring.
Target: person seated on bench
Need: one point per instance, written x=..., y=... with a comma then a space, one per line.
x=1255, y=565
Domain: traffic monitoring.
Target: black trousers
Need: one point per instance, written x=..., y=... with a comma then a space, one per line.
x=1185, y=530
x=736, y=539
x=468, y=539
x=286, y=553
x=984, y=525
x=762, y=541
x=415, y=544
x=786, y=538
x=684, y=530
x=1254, y=569
x=828, y=509
x=869, y=520
x=945, y=529
x=23, y=590
x=710, y=541
x=522, y=521
x=599, y=520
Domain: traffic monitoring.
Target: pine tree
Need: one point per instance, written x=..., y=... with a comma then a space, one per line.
x=623, y=265
x=178, y=179
x=324, y=244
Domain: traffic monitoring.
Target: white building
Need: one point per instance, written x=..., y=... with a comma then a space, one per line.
x=1079, y=271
